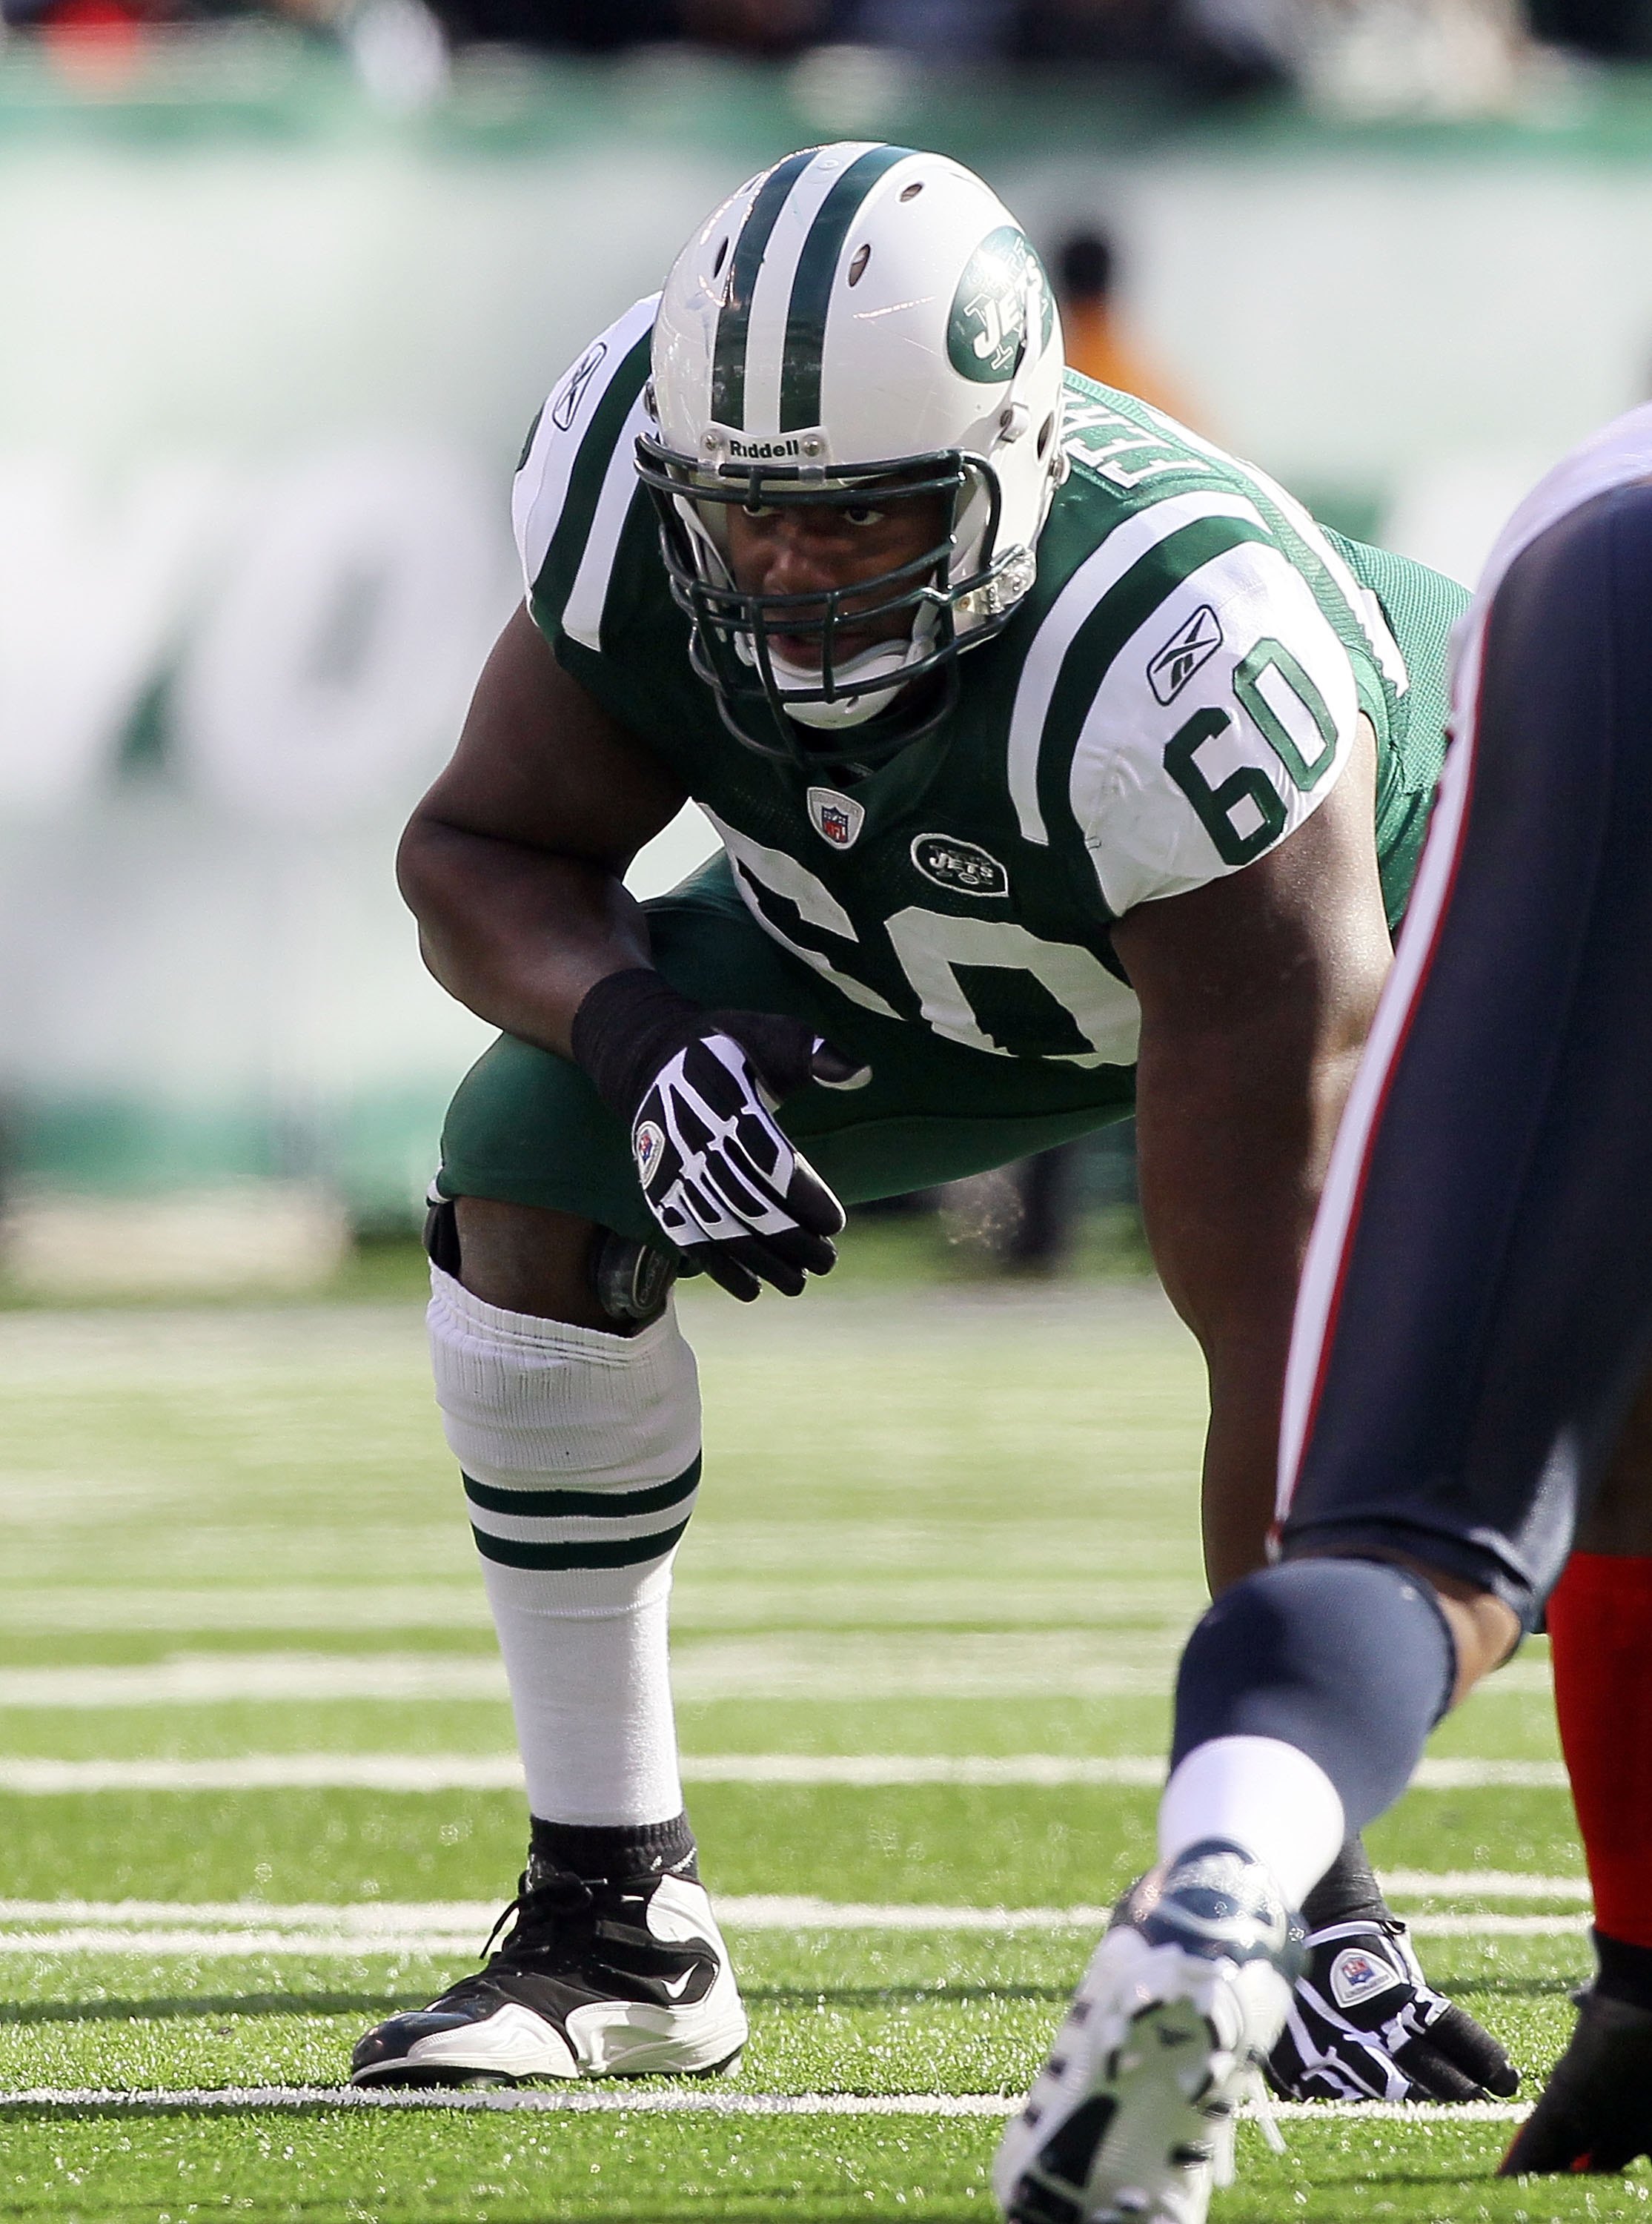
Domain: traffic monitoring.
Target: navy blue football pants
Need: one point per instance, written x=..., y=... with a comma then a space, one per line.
x=1495, y=1308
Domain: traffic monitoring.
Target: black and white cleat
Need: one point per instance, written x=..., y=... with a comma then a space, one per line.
x=627, y=1978
x=1132, y=2120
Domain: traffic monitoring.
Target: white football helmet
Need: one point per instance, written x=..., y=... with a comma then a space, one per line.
x=858, y=314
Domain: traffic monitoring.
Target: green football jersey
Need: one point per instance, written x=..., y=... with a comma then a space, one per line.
x=1177, y=693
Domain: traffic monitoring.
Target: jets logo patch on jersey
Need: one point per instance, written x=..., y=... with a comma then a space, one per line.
x=1357, y=1975
x=836, y=818
x=961, y=865
x=1189, y=646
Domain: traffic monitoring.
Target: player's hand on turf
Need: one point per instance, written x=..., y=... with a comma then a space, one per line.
x=699, y=1089
x=1595, y=2113
x=1365, y=2025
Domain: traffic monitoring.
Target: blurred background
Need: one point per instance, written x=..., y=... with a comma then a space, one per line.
x=283, y=287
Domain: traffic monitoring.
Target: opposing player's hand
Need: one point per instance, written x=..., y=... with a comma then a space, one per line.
x=699, y=1089
x=1365, y=2025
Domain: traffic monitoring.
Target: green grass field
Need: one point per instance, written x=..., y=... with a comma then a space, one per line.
x=256, y=1783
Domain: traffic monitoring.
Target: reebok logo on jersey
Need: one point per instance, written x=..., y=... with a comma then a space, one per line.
x=836, y=818
x=1191, y=646
x=1357, y=1975
x=961, y=865
x=565, y=407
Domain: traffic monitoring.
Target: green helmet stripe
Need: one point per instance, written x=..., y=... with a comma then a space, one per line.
x=733, y=322
x=811, y=285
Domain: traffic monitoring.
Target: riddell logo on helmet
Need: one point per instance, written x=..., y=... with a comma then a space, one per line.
x=760, y=450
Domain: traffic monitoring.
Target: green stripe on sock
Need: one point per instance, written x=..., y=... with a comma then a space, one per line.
x=608, y=1552
x=734, y=324
x=811, y=286
x=603, y=1505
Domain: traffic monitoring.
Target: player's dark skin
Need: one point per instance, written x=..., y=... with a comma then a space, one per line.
x=1256, y=992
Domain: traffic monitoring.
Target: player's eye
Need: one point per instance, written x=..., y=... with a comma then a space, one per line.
x=861, y=513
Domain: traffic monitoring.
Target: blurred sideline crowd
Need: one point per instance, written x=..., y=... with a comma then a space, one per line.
x=1440, y=56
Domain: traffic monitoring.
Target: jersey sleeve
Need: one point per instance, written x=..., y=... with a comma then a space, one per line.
x=1222, y=722
x=577, y=483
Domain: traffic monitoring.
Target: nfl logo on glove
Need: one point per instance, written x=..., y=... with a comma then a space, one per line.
x=646, y=1145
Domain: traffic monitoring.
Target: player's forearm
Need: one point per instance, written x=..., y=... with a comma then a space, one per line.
x=517, y=934
x=1232, y=1160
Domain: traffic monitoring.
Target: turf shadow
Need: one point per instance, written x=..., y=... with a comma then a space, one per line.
x=898, y=1995
x=254, y=2004
x=1512, y=1988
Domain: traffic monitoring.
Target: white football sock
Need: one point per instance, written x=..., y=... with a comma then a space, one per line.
x=581, y=1454
x=1262, y=1794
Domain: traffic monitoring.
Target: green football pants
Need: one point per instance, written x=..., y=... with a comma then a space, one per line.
x=526, y=1127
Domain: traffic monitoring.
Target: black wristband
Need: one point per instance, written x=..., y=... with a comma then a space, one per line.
x=626, y=1027
x=1347, y=1893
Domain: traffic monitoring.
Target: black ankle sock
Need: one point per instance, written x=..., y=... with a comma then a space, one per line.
x=631, y=1850
x=1346, y=1892
x=1625, y=1970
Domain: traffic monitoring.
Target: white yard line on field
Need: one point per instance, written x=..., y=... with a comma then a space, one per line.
x=380, y=1917
x=502, y=1772
x=816, y=1665
x=582, y=2103
x=239, y=1930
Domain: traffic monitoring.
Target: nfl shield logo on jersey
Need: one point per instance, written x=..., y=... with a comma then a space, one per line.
x=836, y=818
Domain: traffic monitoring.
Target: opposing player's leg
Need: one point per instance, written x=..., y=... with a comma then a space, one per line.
x=1594, y=2113
x=1475, y=1316
x=570, y=1399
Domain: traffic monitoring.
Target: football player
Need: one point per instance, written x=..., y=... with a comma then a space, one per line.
x=1062, y=764
x=1467, y=1395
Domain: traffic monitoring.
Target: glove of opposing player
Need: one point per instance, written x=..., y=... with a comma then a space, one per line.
x=1364, y=2023
x=698, y=1090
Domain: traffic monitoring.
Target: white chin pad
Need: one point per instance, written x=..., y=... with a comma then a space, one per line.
x=888, y=658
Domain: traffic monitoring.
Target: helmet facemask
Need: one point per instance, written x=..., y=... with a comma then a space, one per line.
x=766, y=696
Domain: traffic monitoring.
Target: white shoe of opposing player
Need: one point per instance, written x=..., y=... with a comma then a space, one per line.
x=1131, y=2119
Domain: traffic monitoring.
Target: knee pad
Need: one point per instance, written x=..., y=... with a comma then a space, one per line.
x=1350, y=1661
x=630, y=1280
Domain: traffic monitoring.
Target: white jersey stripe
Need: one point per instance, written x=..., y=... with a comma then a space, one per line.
x=1367, y=609
x=541, y=486
x=582, y=614
x=1118, y=554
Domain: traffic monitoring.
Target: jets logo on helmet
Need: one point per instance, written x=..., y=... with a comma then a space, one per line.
x=858, y=318
x=1003, y=283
